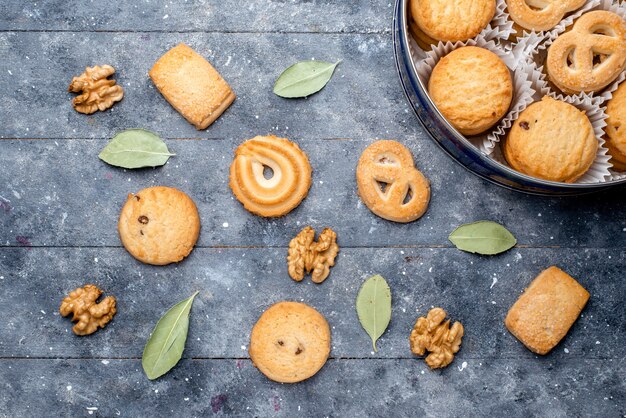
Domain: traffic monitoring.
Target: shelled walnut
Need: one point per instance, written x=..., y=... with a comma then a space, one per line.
x=98, y=93
x=306, y=254
x=89, y=314
x=437, y=337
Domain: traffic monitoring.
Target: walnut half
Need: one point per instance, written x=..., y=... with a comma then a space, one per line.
x=437, y=337
x=305, y=254
x=98, y=93
x=89, y=314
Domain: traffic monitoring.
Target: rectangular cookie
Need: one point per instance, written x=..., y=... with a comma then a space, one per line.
x=191, y=85
x=546, y=310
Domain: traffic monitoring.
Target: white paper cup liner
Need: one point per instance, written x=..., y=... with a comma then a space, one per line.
x=501, y=25
x=599, y=172
x=526, y=46
x=523, y=93
x=522, y=44
x=606, y=95
x=616, y=175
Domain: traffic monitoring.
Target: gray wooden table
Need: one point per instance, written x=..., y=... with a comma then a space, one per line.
x=59, y=206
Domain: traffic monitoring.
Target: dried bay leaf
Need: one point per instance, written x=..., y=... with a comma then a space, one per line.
x=304, y=78
x=135, y=148
x=373, y=305
x=167, y=342
x=482, y=237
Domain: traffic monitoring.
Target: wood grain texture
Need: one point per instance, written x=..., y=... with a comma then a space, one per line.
x=79, y=202
x=199, y=15
x=59, y=207
x=363, y=100
x=237, y=284
x=354, y=387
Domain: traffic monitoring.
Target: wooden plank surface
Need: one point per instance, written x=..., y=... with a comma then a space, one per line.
x=59, y=207
x=199, y=15
x=237, y=284
x=79, y=203
x=343, y=388
x=364, y=99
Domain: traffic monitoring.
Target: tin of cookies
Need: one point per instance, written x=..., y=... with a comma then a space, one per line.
x=287, y=185
x=591, y=55
x=192, y=86
x=540, y=15
x=452, y=20
x=551, y=140
x=290, y=342
x=546, y=310
x=616, y=127
x=159, y=225
x=472, y=88
x=389, y=184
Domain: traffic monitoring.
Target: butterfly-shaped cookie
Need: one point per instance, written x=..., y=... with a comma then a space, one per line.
x=389, y=184
x=591, y=55
x=540, y=15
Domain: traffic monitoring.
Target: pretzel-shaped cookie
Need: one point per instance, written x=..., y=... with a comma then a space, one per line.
x=541, y=15
x=389, y=184
x=572, y=58
x=288, y=185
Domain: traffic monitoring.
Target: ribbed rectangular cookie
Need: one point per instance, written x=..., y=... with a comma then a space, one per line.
x=546, y=310
x=191, y=85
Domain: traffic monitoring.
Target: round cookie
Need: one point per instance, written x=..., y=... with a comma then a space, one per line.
x=616, y=128
x=452, y=20
x=551, y=140
x=290, y=342
x=472, y=88
x=159, y=225
x=389, y=184
x=284, y=190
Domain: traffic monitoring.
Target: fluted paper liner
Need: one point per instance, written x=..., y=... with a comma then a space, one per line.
x=501, y=26
x=607, y=95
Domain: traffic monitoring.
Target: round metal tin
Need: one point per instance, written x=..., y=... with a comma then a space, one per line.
x=455, y=144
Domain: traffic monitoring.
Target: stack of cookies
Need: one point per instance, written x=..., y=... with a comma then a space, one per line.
x=531, y=85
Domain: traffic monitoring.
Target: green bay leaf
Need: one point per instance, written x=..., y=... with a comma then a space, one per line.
x=167, y=342
x=135, y=148
x=482, y=237
x=373, y=305
x=304, y=78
